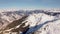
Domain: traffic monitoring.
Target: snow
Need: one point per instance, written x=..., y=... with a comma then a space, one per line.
x=39, y=23
x=38, y=19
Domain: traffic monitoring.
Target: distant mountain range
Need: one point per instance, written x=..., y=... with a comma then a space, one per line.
x=28, y=21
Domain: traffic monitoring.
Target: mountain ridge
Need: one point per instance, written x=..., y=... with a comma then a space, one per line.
x=35, y=19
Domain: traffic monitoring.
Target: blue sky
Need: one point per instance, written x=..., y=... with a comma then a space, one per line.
x=29, y=4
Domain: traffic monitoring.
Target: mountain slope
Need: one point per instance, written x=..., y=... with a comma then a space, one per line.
x=30, y=22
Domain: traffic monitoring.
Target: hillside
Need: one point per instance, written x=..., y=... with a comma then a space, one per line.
x=30, y=22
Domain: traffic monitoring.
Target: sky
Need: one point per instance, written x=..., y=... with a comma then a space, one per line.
x=29, y=4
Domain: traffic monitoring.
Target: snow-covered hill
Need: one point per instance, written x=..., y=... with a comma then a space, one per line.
x=30, y=21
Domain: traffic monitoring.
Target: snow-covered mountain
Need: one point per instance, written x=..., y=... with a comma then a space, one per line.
x=30, y=21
